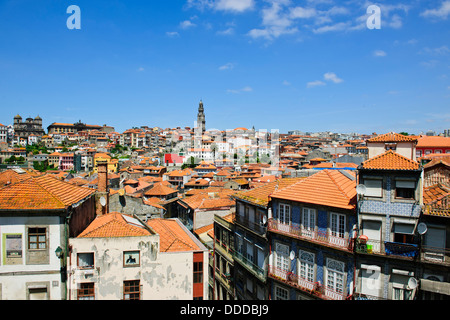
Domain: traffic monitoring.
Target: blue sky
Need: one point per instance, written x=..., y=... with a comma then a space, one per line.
x=271, y=64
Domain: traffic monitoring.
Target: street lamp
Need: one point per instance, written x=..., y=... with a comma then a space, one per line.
x=59, y=252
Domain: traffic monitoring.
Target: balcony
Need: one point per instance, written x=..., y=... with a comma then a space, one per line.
x=397, y=249
x=250, y=266
x=314, y=288
x=362, y=296
x=250, y=224
x=294, y=230
x=435, y=255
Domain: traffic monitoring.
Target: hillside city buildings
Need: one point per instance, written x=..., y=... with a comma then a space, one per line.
x=88, y=213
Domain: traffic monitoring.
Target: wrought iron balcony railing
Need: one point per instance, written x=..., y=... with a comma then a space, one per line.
x=314, y=288
x=324, y=237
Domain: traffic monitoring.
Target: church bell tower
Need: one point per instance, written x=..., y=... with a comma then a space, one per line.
x=201, y=117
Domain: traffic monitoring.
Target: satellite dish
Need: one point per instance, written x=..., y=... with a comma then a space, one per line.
x=422, y=228
x=264, y=219
x=361, y=189
x=103, y=201
x=292, y=255
x=412, y=283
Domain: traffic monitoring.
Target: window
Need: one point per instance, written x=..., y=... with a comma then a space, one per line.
x=403, y=232
x=335, y=275
x=374, y=187
x=86, y=291
x=404, y=189
x=281, y=260
x=131, y=290
x=306, y=266
x=198, y=272
x=337, y=225
x=418, y=153
x=249, y=251
x=131, y=258
x=280, y=293
x=37, y=238
x=401, y=294
x=86, y=260
x=390, y=146
x=308, y=221
x=285, y=213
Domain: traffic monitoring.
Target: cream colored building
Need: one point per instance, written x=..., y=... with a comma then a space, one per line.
x=403, y=145
x=119, y=257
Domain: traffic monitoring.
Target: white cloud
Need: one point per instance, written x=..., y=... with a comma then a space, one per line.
x=315, y=84
x=140, y=69
x=442, y=12
x=226, y=32
x=236, y=91
x=234, y=5
x=286, y=83
x=379, y=53
x=443, y=50
x=172, y=34
x=341, y=26
x=227, y=66
x=186, y=24
x=299, y=12
x=331, y=76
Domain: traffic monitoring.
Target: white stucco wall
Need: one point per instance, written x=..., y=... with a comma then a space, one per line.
x=163, y=276
x=15, y=279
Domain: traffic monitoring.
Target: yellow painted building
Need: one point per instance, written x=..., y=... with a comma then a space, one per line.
x=113, y=164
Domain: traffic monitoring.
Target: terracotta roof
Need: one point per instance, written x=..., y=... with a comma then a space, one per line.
x=12, y=176
x=172, y=237
x=330, y=188
x=154, y=202
x=390, y=160
x=42, y=193
x=260, y=195
x=114, y=225
x=392, y=137
x=159, y=189
x=433, y=194
x=209, y=200
x=204, y=229
x=433, y=141
x=436, y=162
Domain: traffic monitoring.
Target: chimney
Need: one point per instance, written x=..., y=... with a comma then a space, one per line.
x=102, y=196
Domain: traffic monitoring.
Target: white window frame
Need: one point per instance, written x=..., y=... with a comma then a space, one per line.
x=281, y=260
x=335, y=276
x=337, y=224
x=281, y=293
x=373, y=190
x=284, y=213
x=308, y=224
x=306, y=270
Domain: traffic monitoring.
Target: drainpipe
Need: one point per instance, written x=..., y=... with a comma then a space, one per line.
x=64, y=275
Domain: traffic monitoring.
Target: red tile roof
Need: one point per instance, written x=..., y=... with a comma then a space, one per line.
x=390, y=160
x=435, y=193
x=433, y=142
x=330, y=188
x=159, y=189
x=115, y=225
x=42, y=193
x=260, y=195
x=392, y=137
x=172, y=237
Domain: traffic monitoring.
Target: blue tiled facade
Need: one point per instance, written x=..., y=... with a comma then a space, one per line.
x=389, y=207
x=321, y=252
